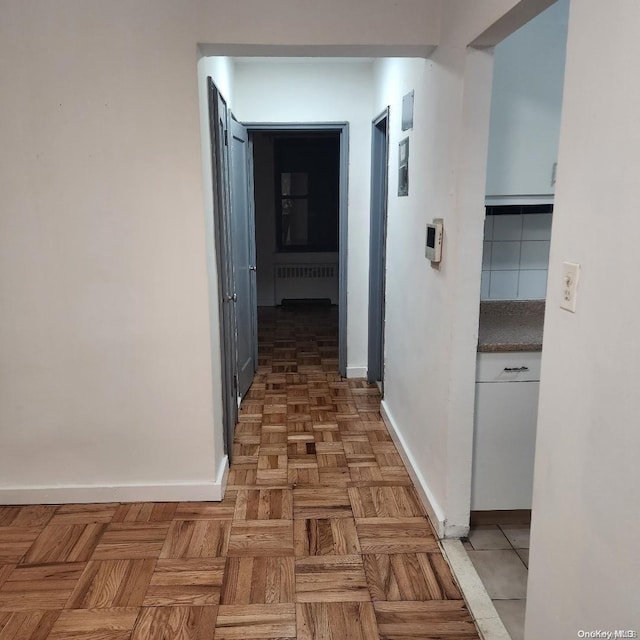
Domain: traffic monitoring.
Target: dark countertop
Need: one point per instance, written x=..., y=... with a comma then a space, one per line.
x=511, y=325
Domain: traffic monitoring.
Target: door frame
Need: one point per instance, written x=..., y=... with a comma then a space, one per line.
x=237, y=130
x=220, y=167
x=342, y=128
x=377, y=245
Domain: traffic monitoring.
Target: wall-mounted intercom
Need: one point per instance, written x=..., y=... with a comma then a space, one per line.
x=433, y=244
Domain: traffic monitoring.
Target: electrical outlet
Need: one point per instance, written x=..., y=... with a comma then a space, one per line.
x=570, y=275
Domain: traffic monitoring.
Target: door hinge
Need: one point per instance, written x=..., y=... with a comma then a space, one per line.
x=236, y=384
x=226, y=137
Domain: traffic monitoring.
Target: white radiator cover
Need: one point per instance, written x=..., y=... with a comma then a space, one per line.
x=306, y=280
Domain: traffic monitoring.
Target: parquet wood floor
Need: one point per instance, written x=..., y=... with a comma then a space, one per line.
x=321, y=535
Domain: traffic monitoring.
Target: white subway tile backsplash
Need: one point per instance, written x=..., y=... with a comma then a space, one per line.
x=486, y=255
x=503, y=285
x=536, y=226
x=534, y=254
x=532, y=285
x=508, y=227
x=505, y=256
x=515, y=258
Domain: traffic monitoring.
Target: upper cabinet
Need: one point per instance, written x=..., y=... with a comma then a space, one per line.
x=526, y=104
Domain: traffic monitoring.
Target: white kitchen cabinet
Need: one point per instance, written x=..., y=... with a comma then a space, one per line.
x=526, y=104
x=506, y=414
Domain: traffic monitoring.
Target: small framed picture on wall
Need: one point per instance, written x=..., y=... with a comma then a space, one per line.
x=403, y=167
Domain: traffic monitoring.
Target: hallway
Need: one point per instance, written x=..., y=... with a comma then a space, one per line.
x=320, y=535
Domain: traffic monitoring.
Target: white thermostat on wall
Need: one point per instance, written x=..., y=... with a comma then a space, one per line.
x=433, y=244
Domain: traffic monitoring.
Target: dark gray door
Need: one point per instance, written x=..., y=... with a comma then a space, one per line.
x=218, y=121
x=243, y=240
x=377, y=246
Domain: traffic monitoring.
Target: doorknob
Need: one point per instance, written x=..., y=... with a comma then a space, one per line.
x=253, y=267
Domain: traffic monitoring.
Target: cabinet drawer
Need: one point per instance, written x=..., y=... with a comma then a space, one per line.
x=516, y=366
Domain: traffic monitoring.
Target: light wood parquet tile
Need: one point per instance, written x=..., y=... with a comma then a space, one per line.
x=8, y=515
x=395, y=474
x=378, y=435
x=40, y=587
x=84, y=513
x=278, y=449
x=250, y=622
x=15, y=542
x=246, y=453
x=321, y=502
x=240, y=478
x=33, y=515
x=112, y=583
x=395, y=535
x=264, y=504
x=192, y=582
x=320, y=534
x=65, y=543
x=26, y=625
x=196, y=539
x=435, y=620
x=328, y=433
x=143, y=512
x=331, y=579
x=261, y=580
x=338, y=477
x=5, y=571
x=303, y=476
x=131, y=540
x=175, y=623
x=261, y=538
x=386, y=454
x=385, y=502
x=364, y=474
x=411, y=576
x=336, y=621
x=325, y=536
x=94, y=624
x=208, y=510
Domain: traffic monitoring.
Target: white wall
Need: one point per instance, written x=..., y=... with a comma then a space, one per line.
x=301, y=90
x=104, y=333
x=107, y=336
x=108, y=342
x=585, y=557
x=431, y=314
x=526, y=104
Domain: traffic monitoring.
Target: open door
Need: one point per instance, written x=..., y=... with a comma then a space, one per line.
x=377, y=247
x=244, y=265
x=218, y=124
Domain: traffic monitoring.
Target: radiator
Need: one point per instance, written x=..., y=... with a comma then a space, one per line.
x=300, y=281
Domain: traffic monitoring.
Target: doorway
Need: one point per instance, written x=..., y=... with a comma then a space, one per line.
x=377, y=247
x=300, y=178
x=303, y=225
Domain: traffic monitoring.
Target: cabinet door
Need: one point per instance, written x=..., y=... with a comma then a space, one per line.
x=526, y=103
x=504, y=445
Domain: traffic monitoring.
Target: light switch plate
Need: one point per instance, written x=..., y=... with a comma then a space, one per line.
x=570, y=276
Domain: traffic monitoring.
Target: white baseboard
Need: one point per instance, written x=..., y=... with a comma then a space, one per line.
x=474, y=592
x=434, y=511
x=356, y=372
x=179, y=492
